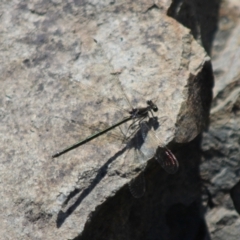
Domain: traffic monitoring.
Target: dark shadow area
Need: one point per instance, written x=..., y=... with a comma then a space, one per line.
x=170, y=209
x=235, y=195
x=134, y=142
x=201, y=16
x=184, y=222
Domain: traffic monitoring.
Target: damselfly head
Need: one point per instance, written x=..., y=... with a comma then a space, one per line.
x=152, y=105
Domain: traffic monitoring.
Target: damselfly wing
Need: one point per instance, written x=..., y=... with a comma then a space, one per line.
x=137, y=120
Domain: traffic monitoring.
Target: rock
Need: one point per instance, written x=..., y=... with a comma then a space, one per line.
x=53, y=54
x=220, y=144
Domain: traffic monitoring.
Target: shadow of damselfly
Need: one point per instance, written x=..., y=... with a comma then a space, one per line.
x=139, y=136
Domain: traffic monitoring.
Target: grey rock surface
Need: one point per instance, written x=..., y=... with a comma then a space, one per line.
x=58, y=64
x=221, y=151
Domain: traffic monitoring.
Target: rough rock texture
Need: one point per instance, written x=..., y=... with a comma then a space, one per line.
x=59, y=60
x=221, y=151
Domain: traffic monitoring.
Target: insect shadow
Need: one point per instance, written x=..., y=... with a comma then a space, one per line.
x=136, y=185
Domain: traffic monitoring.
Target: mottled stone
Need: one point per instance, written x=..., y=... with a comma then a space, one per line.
x=58, y=62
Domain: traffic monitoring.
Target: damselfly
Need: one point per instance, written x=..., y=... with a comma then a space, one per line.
x=135, y=114
x=146, y=148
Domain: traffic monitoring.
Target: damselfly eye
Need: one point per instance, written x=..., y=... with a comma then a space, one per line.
x=152, y=105
x=155, y=108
